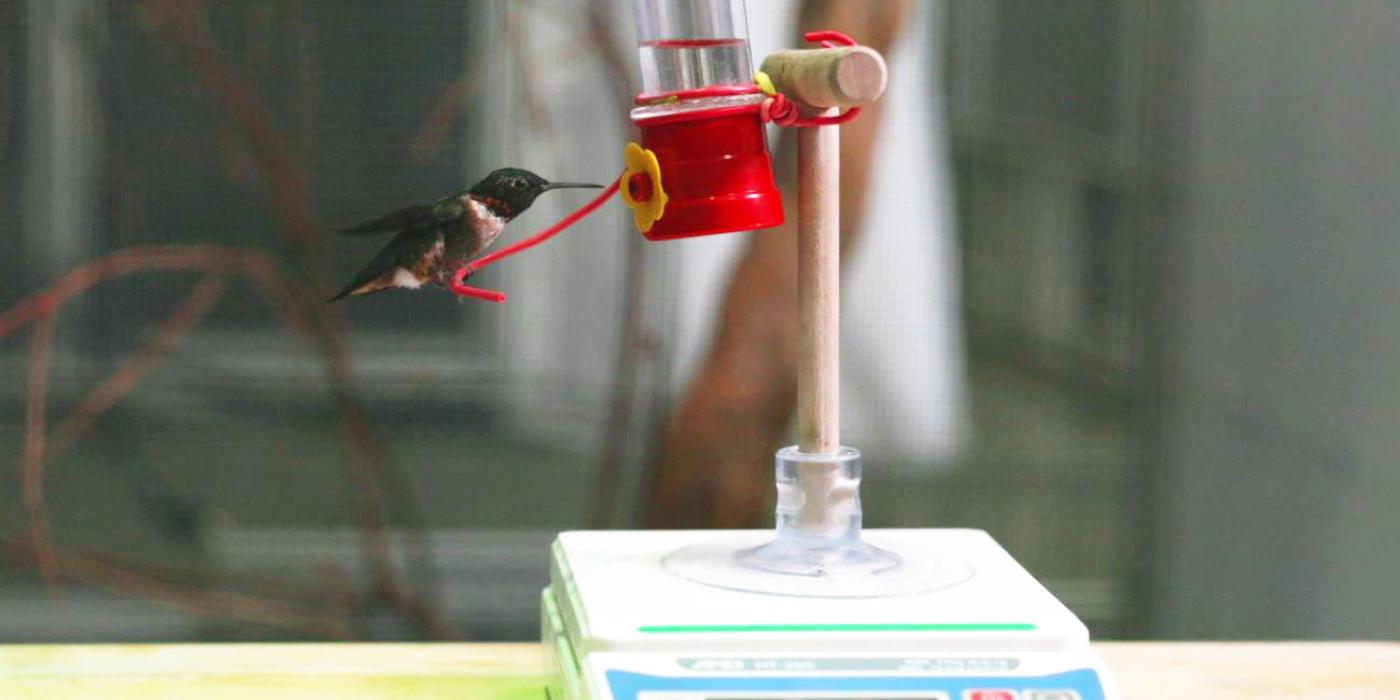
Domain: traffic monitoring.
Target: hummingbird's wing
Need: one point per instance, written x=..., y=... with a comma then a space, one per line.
x=398, y=265
x=418, y=216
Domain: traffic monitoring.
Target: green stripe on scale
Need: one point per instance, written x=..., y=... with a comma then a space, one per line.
x=943, y=627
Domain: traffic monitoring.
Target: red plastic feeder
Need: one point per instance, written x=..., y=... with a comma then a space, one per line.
x=699, y=114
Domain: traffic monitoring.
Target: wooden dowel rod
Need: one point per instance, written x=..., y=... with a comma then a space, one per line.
x=819, y=294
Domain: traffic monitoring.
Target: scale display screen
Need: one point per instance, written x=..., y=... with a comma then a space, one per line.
x=794, y=696
x=1082, y=684
x=971, y=694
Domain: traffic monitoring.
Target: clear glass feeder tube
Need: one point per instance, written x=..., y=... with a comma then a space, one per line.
x=692, y=44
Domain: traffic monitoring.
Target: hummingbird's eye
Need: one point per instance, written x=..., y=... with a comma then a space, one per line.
x=517, y=184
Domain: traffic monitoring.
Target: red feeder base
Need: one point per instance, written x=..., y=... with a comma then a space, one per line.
x=715, y=170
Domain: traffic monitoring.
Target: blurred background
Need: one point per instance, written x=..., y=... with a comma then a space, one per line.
x=1121, y=281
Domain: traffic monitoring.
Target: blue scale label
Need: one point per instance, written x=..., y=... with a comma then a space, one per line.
x=1082, y=684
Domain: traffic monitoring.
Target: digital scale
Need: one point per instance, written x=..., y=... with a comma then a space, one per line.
x=618, y=625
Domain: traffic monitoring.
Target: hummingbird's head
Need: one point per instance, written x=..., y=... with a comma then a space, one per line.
x=510, y=191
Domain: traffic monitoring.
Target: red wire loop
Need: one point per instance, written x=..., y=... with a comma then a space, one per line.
x=461, y=290
x=829, y=38
x=779, y=110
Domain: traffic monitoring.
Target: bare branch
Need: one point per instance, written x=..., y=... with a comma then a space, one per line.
x=32, y=471
x=127, y=578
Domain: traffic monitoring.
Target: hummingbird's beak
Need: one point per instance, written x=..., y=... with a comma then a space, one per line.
x=567, y=185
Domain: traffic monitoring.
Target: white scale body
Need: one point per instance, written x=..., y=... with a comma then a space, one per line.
x=619, y=626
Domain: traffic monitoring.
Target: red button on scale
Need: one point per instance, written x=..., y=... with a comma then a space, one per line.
x=989, y=694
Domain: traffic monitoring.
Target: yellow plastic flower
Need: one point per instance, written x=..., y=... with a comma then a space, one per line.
x=641, y=186
x=764, y=83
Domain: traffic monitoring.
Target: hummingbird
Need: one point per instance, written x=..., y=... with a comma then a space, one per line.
x=434, y=240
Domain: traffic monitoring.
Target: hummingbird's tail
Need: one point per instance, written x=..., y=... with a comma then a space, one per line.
x=354, y=290
x=364, y=283
x=343, y=293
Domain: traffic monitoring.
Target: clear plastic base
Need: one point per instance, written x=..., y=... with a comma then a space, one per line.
x=780, y=557
x=720, y=562
x=818, y=551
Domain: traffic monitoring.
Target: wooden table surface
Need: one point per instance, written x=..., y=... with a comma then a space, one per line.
x=1255, y=670
x=1145, y=671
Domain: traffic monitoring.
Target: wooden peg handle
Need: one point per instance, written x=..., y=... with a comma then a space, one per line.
x=819, y=78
